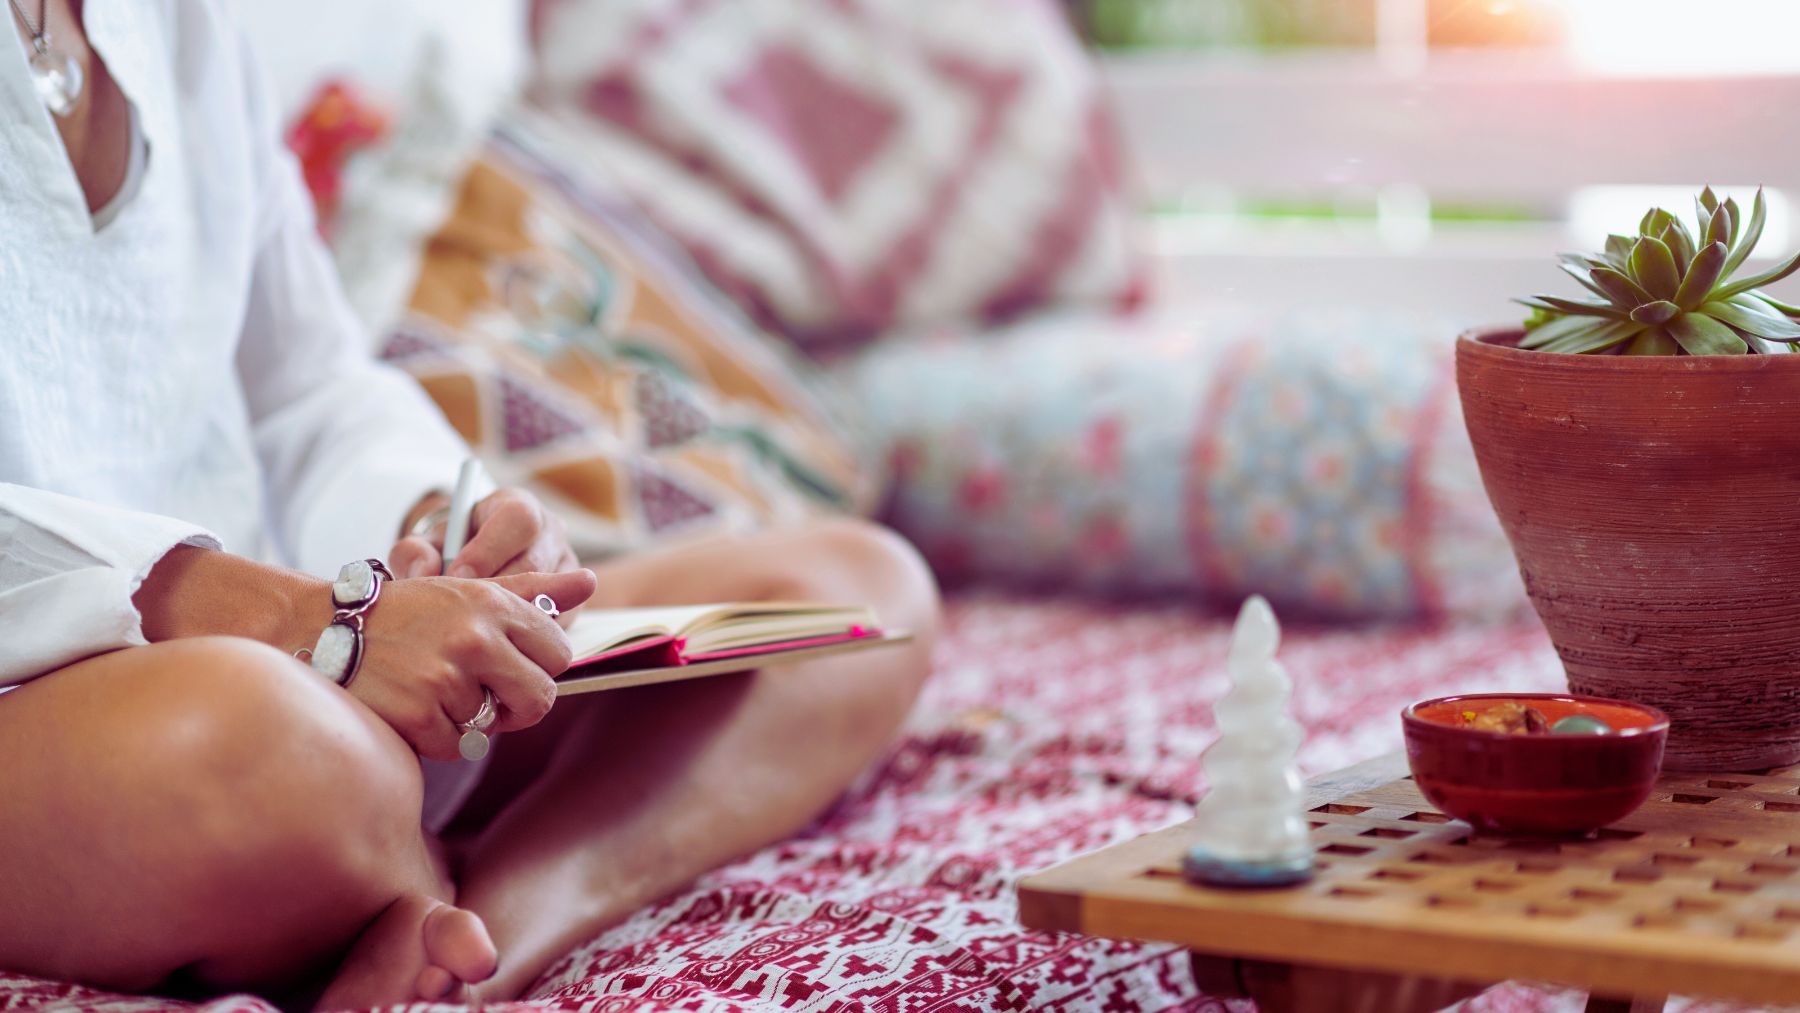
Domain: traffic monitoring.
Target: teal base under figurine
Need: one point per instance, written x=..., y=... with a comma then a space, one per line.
x=1204, y=867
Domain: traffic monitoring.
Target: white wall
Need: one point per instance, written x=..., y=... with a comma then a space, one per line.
x=1517, y=128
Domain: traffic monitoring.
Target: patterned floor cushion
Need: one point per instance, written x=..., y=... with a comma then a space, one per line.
x=1052, y=727
x=1317, y=458
x=582, y=359
x=845, y=166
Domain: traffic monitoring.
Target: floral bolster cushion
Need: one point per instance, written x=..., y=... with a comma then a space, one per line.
x=846, y=166
x=580, y=358
x=1317, y=458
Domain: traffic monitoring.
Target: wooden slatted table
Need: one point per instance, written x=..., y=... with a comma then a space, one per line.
x=1697, y=893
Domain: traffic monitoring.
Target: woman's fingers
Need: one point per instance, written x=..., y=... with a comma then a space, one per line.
x=541, y=641
x=460, y=699
x=423, y=723
x=564, y=564
x=435, y=645
x=526, y=702
x=415, y=557
x=505, y=525
x=568, y=588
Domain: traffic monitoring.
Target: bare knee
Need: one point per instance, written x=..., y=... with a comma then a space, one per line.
x=865, y=561
x=268, y=763
x=206, y=803
x=852, y=560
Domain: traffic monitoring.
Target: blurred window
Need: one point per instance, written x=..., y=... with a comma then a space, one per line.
x=1368, y=143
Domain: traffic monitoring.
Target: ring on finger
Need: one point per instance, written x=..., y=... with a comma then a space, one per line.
x=474, y=743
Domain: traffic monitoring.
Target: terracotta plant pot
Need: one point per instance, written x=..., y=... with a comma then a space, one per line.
x=1654, y=507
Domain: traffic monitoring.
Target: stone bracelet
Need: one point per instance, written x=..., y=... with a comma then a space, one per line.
x=337, y=655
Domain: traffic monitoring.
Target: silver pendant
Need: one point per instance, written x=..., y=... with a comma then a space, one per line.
x=474, y=742
x=57, y=77
x=473, y=745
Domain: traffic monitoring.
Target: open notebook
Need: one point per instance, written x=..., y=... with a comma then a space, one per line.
x=630, y=647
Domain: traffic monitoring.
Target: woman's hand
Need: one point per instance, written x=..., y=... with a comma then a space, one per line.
x=432, y=645
x=510, y=532
x=429, y=645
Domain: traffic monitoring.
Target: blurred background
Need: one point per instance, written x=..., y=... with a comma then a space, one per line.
x=1434, y=153
x=1213, y=359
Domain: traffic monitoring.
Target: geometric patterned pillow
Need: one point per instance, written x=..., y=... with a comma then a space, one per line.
x=846, y=167
x=582, y=361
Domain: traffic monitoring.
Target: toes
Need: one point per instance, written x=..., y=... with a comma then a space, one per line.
x=434, y=983
x=457, y=942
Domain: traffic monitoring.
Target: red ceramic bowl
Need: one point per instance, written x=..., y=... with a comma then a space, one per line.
x=1534, y=785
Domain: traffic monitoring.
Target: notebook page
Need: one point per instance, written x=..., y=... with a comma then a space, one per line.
x=598, y=630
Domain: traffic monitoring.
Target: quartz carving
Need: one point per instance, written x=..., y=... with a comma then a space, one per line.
x=1251, y=823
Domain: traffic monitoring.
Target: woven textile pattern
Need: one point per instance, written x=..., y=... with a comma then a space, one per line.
x=1052, y=727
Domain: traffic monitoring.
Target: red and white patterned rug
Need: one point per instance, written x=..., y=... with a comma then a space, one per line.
x=1052, y=728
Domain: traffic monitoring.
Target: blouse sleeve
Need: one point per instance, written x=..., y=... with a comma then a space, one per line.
x=348, y=444
x=68, y=569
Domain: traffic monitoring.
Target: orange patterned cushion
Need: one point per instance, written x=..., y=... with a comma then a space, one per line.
x=583, y=360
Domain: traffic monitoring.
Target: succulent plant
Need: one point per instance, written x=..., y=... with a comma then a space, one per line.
x=1669, y=291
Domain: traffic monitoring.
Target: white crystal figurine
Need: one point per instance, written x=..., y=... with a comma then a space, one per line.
x=1252, y=831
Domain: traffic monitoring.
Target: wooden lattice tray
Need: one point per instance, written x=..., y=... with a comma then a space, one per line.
x=1696, y=893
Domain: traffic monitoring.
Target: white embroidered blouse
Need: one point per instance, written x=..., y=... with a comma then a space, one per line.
x=188, y=371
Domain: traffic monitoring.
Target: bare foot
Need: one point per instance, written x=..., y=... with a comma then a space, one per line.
x=419, y=948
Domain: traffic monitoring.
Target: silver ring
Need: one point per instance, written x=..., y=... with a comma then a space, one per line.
x=474, y=742
x=547, y=605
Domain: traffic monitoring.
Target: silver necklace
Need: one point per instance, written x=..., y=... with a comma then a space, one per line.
x=54, y=72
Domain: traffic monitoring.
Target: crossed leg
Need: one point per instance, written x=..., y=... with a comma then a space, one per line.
x=621, y=798
x=209, y=807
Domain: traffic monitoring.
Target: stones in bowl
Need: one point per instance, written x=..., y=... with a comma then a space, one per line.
x=1581, y=724
x=1543, y=784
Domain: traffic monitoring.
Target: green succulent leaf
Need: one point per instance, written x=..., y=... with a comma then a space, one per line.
x=1584, y=275
x=1771, y=301
x=1580, y=334
x=1538, y=318
x=1618, y=250
x=1558, y=304
x=1584, y=261
x=1654, y=222
x=1546, y=331
x=1699, y=334
x=1768, y=277
x=1597, y=337
x=1702, y=275
x=1759, y=215
x=1680, y=244
x=1654, y=267
x=1659, y=312
x=1751, y=321
x=1653, y=341
x=1681, y=227
x=1669, y=290
x=1620, y=288
x=1721, y=227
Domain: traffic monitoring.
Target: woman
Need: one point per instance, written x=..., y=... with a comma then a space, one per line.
x=182, y=393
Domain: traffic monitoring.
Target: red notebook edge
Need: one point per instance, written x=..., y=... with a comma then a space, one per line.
x=854, y=633
x=660, y=652
x=670, y=652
